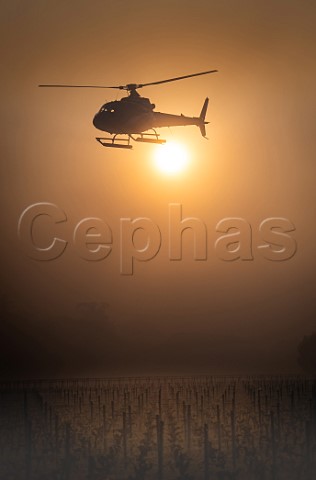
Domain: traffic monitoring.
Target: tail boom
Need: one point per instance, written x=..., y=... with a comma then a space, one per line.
x=168, y=120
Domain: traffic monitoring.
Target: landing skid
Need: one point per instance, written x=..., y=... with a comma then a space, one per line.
x=122, y=142
x=110, y=142
x=149, y=138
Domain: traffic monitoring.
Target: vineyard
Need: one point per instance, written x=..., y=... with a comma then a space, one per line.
x=159, y=428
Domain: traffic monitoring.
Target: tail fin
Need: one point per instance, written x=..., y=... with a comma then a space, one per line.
x=202, y=118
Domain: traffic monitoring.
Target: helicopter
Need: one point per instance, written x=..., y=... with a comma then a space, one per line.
x=132, y=116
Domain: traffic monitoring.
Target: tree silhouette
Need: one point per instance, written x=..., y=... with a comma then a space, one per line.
x=307, y=354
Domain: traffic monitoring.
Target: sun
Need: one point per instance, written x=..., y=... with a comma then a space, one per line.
x=171, y=158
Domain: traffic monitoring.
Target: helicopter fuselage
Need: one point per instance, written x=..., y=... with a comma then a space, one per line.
x=134, y=115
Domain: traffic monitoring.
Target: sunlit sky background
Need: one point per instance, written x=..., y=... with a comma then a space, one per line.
x=259, y=161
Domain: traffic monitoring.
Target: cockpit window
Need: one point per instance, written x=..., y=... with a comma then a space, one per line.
x=106, y=108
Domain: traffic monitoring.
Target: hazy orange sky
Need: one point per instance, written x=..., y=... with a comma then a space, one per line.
x=259, y=162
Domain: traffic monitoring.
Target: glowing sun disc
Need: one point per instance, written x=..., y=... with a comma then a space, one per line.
x=171, y=158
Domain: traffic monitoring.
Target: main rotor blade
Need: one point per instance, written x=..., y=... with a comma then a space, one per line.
x=176, y=78
x=80, y=86
x=131, y=86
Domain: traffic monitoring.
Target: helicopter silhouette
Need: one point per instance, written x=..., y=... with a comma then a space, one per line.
x=131, y=117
